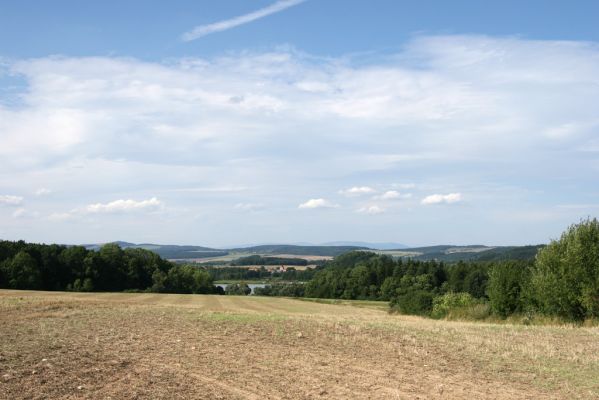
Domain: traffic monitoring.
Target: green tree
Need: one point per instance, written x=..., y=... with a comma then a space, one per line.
x=565, y=278
x=238, y=289
x=23, y=272
x=506, y=287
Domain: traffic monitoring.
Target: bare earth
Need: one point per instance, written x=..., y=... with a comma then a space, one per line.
x=154, y=346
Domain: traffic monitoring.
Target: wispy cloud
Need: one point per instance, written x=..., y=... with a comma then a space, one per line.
x=446, y=113
x=357, y=191
x=42, y=192
x=120, y=206
x=123, y=206
x=372, y=210
x=203, y=30
x=248, y=206
x=10, y=200
x=392, y=195
x=318, y=203
x=442, y=198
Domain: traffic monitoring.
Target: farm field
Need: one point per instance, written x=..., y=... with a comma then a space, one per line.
x=122, y=346
x=235, y=255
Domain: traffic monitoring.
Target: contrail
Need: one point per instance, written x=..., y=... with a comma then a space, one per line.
x=203, y=30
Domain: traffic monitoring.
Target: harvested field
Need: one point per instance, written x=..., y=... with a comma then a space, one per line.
x=123, y=346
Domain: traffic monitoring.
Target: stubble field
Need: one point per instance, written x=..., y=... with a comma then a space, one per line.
x=57, y=345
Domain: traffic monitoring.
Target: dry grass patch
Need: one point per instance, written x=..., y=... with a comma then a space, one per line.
x=122, y=346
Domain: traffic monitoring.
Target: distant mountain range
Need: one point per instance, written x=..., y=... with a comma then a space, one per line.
x=450, y=253
x=446, y=253
x=377, y=246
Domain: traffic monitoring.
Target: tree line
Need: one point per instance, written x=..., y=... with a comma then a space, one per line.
x=246, y=274
x=260, y=260
x=74, y=268
x=562, y=281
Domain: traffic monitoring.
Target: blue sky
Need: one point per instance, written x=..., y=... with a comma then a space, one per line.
x=222, y=122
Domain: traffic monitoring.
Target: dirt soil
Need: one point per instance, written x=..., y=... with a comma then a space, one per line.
x=152, y=346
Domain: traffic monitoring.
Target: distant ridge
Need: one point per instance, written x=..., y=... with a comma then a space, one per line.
x=447, y=253
x=376, y=246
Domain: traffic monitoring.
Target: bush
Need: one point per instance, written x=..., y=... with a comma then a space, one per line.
x=451, y=303
x=506, y=287
x=565, y=278
x=416, y=302
x=281, y=289
x=238, y=289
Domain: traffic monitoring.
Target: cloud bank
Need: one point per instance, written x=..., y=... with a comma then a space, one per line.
x=511, y=122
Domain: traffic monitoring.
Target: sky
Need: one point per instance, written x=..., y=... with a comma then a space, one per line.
x=220, y=123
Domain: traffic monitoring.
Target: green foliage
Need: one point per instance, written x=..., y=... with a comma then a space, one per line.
x=565, y=278
x=452, y=303
x=414, y=302
x=238, y=289
x=187, y=279
x=240, y=274
x=53, y=267
x=22, y=272
x=468, y=277
x=507, y=287
x=281, y=289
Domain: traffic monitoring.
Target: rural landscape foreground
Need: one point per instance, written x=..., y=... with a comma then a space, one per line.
x=134, y=345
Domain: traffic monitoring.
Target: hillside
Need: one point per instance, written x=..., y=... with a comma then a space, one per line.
x=450, y=253
x=59, y=345
x=169, y=251
x=447, y=253
x=326, y=251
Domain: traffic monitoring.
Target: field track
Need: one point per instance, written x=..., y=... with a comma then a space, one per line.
x=57, y=345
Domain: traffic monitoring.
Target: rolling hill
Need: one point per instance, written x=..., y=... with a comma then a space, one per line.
x=447, y=253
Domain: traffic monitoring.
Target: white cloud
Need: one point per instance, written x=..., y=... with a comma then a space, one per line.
x=220, y=26
x=357, y=191
x=128, y=205
x=392, y=195
x=373, y=210
x=318, y=203
x=10, y=200
x=442, y=198
x=283, y=124
x=42, y=192
x=21, y=213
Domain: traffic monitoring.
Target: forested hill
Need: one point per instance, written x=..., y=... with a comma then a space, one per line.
x=326, y=251
x=447, y=253
x=196, y=252
x=168, y=251
x=110, y=268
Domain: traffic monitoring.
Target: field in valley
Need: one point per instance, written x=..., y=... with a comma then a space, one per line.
x=123, y=346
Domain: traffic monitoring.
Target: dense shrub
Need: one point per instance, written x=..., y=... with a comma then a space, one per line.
x=507, y=287
x=416, y=302
x=565, y=278
x=281, y=289
x=451, y=302
x=238, y=289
